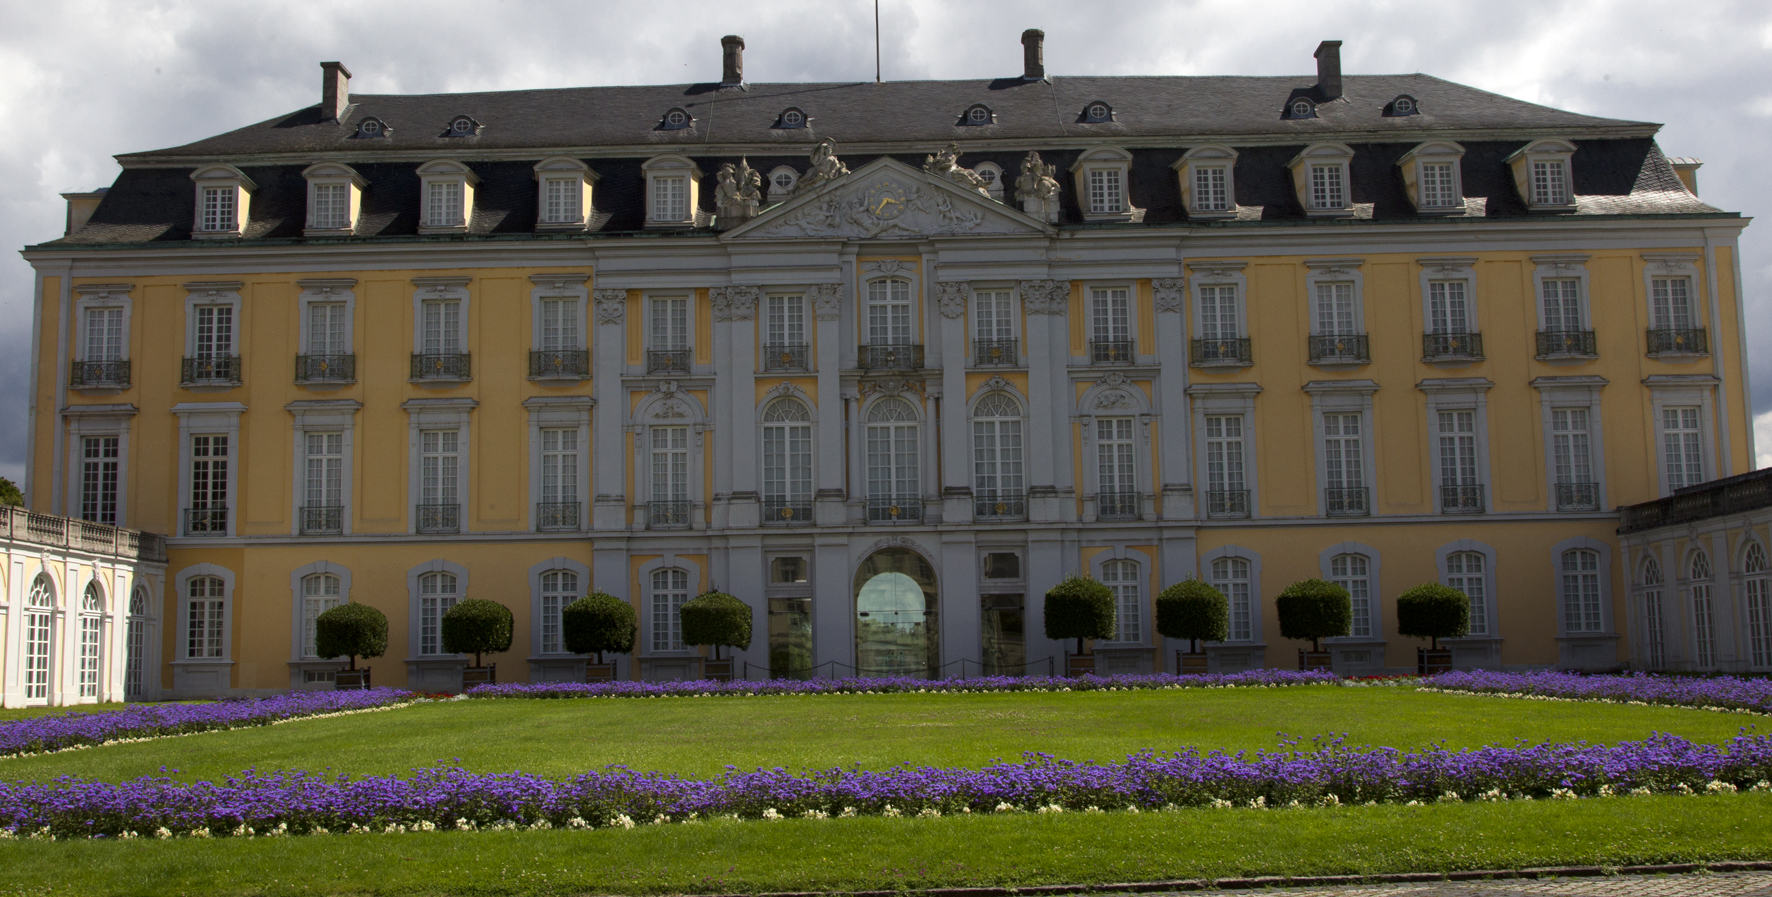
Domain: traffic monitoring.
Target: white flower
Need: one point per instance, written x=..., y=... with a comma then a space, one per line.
x=425, y=826
x=1716, y=787
x=577, y=822
x=929, y=813
x=1562, y=794
x=1493, y=794
x=890, y=812
x=1092, y=809
x=769, y=813
x=622, y=820
x=1413, y=803
x=359, y=829
x=1608, y=791
x=848, y=813
x=7, y=834
x=320, y=830
x=661, y=819
x=1450, y=797
x=1640, y=791
x=1329, y=800
x=125, y=835
x=281, y=830
x=1683, y=788
x=393, y=828
x=1259, y=803
x=1220, y=804
x=195, y=833
x=466, y=825
x=817, y=814
x=1004, y=807
x=240, y=831
x=1761, y=785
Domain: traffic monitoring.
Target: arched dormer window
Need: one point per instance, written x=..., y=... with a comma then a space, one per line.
x=787, y=462
x=1208, y=181
x=999, y=483
x=992, y=175
x=461, y=126
x=1103, y=181
x=894, y=477
x=1432, y=176
x=224, y=199
x=1404, y=104
x=672, y=191
x=371, y=128
x=676, y=119
x=977, y=115
x=1543, y=176
x=1321, y=178
x=1300, y=108
x=563, y=193
x=792, y=117
x=1096, y=113
x=447, y=193
x=335, y=193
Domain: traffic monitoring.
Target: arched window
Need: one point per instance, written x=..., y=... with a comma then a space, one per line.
x=39, y=616
x=787, y=462
x=558, y=589
x=1231, y=576
x=1464, y=572
x=320, y=593
x=890, y=318
x=1353, y=572
x=204, y=620
x=670, y=589
x=1581, y=590
x=1759, y=606
x=1121, y=577
x=998, y=485
x=437, y=593
x=1704, y=618
x=894, y=487
x=92, y=609
x=1654, y=621
x=135, y=644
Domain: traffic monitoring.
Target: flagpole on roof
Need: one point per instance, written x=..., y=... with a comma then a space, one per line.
x=876, y=41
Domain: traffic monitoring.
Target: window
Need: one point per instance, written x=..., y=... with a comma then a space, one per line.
x=563, y=192
x=1105, y=193
x=1670, y=303
x=558, y=589
x=135, y=646
x=1211, y=188
x=1335, y=309
x=1704, y=618
x=1098, y=112
x=441, y=326
x=1231, y=576
x=1562, y=304
x=1581, y=591
x=997, y=477
x=670, y=589
x=1448, y=306
x=1438, y=187
x=39, y=617
x=1541, y=173
x=209, y=485
x=1207, y=177
x=787, y=571
x=1002, y=565
x=91, y=626
x=784, y=333
x=320, y=592
x=894, y=478
x=889, y=312
x=1219, y=313
x=559, y=324
x=439, y=455
x=327, y=333
x=1573, y=458
x=1757, y=592
x=787, y=461
x=676, y=118
x=1550, y=185
x=993, y=327
x=463, y=126
x=204, y=620
x=670, y=198
x=1110, y=315
x=1121, y=578
x=218, y=209
x=98, y=479
x=215, y=333
x=1227, y=495
x=370, y=127
x=1101, y=179
x=1464, y=572
x=1115, y=468
x=1344, y=464
x=563, y=203
x=559, y=466
x=104, y=334
x=1403, y=106
x=1303, y=109
x=437, y=593
x=1327, y=191
x=978, y=115
x=1682, y=447
x=331, y=206
x=443, y=204
x=1459, y=488
x=670, y=471
x=323, y=489
x=782, y=180
x=1654, y=619
x=670, y=324
x=222, y=201
x=992, y=177
x=1352, y=572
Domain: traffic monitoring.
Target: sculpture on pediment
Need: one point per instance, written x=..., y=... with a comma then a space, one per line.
x=1037, y=188
x=945, y=164
x=826, y=167
x=739, y=195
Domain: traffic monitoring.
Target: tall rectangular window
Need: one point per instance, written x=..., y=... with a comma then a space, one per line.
x=209, y=473
x=320, y=592
x=1224, y=454
x=91, y=625
x=559, y=325
x=1436, y=189
x=1458, y=448
x=442, y=326
x=670, y=589
x=332, y=208
x=1670, y=300
x=1562, y=304
x=1210, y=189
x=1573, y=459
x=564, y=205
x=1231, y=576
x=438, y=475
x=1464, y=572
x=558, y=589
x=327, y=329
x=1121, y=578
x=670, y=323
x=326, y=470
x=215, y=332
x=785, y=323
x=1581, y=590
x=1327, y=191
x=1115, y=466
x=1704, y=626
x=99, y=458
x=559, y=465
x=1343, y=457
x=443, y=204
x=996, y=457
x=218, y=209
x=1335, y=309
x=670, y=199
x=437, y=593
x=992, y=317
x=890, y=315
x=1218, y=312
x=1105, y=193
x=670, y=464
x=1657, y=631
x=1353, y=572
x=787, y=453
x=1110, y=314
x=1448, y=307
x=1758, y=592
x=1550, y=186
x=204, y=618
x=892, y=458
x=1682, y=447
x=104, y=334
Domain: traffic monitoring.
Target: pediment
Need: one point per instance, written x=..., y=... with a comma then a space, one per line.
x=888, y=200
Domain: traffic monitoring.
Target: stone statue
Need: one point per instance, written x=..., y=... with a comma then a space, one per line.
x=1037, y=188
x=739, y=195
x=945, y=163
x=825, y=168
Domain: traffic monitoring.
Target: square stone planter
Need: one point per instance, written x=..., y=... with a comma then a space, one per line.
x=472, y=676
x=352, y=680
x=717, y=670
x=1190, y=664
x=1315, y=660
x=1429, y=662
x=599, y=672
x=1077, y=664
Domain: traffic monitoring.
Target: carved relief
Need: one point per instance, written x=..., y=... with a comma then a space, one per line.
x=1112, y=399
x=669, y=410
x=1045, y=297
x=827, y=300
x=737, y=303
x=1168, y=293
x=951, y=297
x=891, y=386
x=1114, y=379
x=995, y=384
x=887, y=266
x=611, y=305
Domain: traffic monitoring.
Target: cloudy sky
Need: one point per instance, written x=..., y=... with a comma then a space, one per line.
x=83, y=81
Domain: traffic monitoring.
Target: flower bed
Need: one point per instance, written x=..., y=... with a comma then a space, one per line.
x=1718, y=692
x=449, y=798
x=898, y=684
x=71, y=730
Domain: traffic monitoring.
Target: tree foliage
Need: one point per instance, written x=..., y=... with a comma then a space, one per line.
x=716, y=618
x=1195, y=611
x=1080, y=608
x=10, y=494
x=1433, y=611
x=351, y=630
x=599, y=622
x=1314, y=609
x=477, y=626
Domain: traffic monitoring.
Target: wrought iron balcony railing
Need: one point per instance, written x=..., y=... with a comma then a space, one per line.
x=894, y=508
x=100, y=373
x=1226, y=351
x=1116, y=505
x=1681, y=341
x=1578, y=496
x=217, y=369
x=326, y=520
x=999, y=505
x=563, y=364
x=891, y=358
x=787, y=510
x=786, y=357
x=1227, y=503
x=1461, y=499
x=989, y=352
x=325, y=368
x=1111, y=351
x=667, y=361
x=206, y=522
x=1339, y=348
x=438, y=518
x=442, y=366
x=1443, y=346
x=1346, y=501
x=556, y=516
x=1567, y=344
x=672, y=514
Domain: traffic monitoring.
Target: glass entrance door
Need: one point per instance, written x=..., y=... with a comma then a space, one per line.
x=1004, y=646
x=896, y=611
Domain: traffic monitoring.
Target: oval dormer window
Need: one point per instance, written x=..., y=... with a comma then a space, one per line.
x=1097, y=112
x=783, y=181
x=988, y=175
x=979, y=115
x=677, y=118
x=1301, y=109
x=792, y=118
x=462, y=125
x=369, y=128
x=1403, y=106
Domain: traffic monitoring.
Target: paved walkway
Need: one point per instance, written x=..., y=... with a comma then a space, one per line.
x=1730, y=884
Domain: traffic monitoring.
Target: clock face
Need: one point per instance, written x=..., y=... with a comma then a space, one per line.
x=885, y=201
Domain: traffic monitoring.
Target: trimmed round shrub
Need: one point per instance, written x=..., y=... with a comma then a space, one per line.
x=1314, y=609
x=599, y=622
x=1195, y=611
x=351, y=630
x=1080, y=608
x=477, y=626
x=1433, y=611
x=716, y=618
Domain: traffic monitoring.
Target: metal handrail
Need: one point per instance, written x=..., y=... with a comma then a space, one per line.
x=1119, y=505
x=1733, y=495
x=1346, y=501
x=442, y=366
x=1000, y=505
x=894, y=508
x=1225, y=350
x=1679, y=341
x=215, y=369
x=667, y=361
x=1111, y=351
x=787, y=510
x=556, y=516
x=1339, y=348
x=892, y=357
x=1227, y=503
x=100, y=373
x=437, y=518
x=1567, y=344
x=990, y=352
x=1451, y=345
x=322, y=520
x=1578, y=496
x=206, y=521
x=325, y=368
x=1461, y=499
x=672, y=514
x=559, y=363
x=785, y=357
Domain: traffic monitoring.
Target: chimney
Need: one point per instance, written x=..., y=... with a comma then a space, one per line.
x=1687, y=171
x=335, y=90
x=1329, y=69
x=80, y=208
x=732, y=61
x=1033, y=56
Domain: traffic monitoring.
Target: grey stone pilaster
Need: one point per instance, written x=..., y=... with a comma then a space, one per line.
x=609, y=418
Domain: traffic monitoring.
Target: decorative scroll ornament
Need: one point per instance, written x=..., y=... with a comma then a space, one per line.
x=1168, y=293
x=994, y=384
x=737, y=303
x=1037, y=188
x=951, y=297
x=611, y=305
x=825, y=168
x=666, y=387
x=827, y=300
x=891, y=386
x=739, y=195
x=888, y=266
x=1114, y=380
x=783, y=389
x=1045, y=297
x=945, y=164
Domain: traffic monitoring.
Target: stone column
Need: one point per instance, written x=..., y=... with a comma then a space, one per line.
x=1044, y=303
x=609, y=418
x=961, y=614
x=832, y=462
x=833, y=607
x=1174, y=427
x=739, y=447
x=956, y=456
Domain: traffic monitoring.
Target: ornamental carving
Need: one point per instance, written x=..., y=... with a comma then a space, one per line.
x=891, y=202
x=827, y=300
x=611, y=305
x=1168, y=293
x=739, y=195
x=1037, y=188
x=1045, y=297
x=945, y=164
x=826, y=167
x=1112, y=399
x=891, y=386
x=995, y=384
x=666, y=387
x=1114, y=380
x=670, y=409
x=888, y=266
x=951, y=297
x=737, y=303
x=783, y=389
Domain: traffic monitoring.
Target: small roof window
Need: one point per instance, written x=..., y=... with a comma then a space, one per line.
x=978, y=114
x=1098, y=111
x=370, y=126
x=462, y=126
x=676, y=120
x=1300, y=108
x=1404, y=104
x=792, y=117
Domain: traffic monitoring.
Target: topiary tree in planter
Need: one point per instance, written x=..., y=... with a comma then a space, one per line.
x=1079, y=608
x=351, y=630
x=477, y=626
x=1433, y=611
x=1195, y=611
x=598, y=622
x=716, y=618
x=1314, y=609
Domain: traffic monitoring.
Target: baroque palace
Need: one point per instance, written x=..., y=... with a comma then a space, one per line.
x=887, y=361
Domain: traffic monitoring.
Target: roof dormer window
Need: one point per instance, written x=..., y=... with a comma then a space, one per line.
x=370, y=126
x=1103, y=176
x=447, y=197
x=978, y=114
x=1320, y=176
x=1098, y=112
x=1432, y=178
x=1402, y=105
x=1208, y=181
x=781, y=183
x=335, y=193
x=563, y=200
x=676, y=120
x=791, y=117
x=224, y=195
x=462, y=126
x=992, y=175
x=1301, y=108
x=672, y=194
x=1542, y=174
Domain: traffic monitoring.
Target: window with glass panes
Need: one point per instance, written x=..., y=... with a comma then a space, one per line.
x=670, y=463
x=1105, y=193
x=1757, y=592
x=892, y=451
x=1562, y=303
x=1343, y=454
x=993, y=315
x=787, y=452
x=1327, y=191
x=1110, y=314
x=1682, y=447
x=328, y=329
x=1121, y=578
x=670, y=589
x=996, y=447
x=785, y=321
x=1464, y=572
x=1458, y=448
x=218, y=209
x=559, y=465
x=325, y=470
x=1670, y=301
x=91, y=625
x=670, y=198
x=439, y=457
x=670, y=323
x=1581, y=590
x=438, y=591
x=1224, y=453
x=564, y=204
x=104, y=334
x=204, y=617
x=1572, y=458
x=1115, y=467
x=558, y=589
x=1448, y=306
x=39, y=618
x=209, y=472
x=1211, y=193
x=1704, y=618
x=99, y=459
x=560, y=330
x=443, y=204
x=1353, y=572
x=135, y=644
x=1335, y=309
x=1436, y=188
x=320, y=592
x=442, y=326
x=1654, y=621
x=1231, y=576
x=1218, y=312
x=1550, y=183
x=332, y=209
x=889, y=312
x=215, y=332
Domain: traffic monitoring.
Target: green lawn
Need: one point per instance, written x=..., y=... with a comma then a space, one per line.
x=869, y=853
x=12, y=713
x=700, y=736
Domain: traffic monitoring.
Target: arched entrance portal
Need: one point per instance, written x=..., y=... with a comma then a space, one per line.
x=896, y=620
